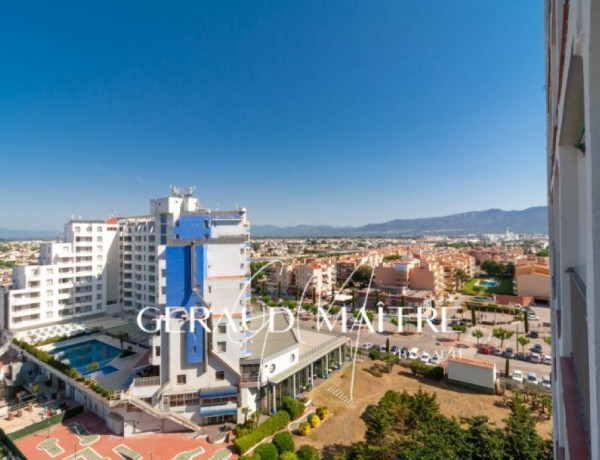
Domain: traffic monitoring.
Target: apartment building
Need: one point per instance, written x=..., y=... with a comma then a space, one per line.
x=315, y=275
x=573, y=127
x=532, y=280
x=427, y=276
x=73, y=279
x=181, y=255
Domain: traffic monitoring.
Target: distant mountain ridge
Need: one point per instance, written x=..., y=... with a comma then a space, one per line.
x=530, y=220
x=12, y=234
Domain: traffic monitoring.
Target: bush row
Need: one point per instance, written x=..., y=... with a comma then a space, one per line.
x=61, y=367
x=426, y=370
x=293, y=407
x=272, y=425
x=491, y=307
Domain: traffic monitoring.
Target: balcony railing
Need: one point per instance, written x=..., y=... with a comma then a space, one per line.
x=579, y=337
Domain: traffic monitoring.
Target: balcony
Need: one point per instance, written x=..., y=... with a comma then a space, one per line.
x=580, y=352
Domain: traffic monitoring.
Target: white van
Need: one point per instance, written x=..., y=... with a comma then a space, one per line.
x=413, y=353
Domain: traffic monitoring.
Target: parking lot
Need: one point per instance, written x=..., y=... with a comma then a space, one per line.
x=445, y=343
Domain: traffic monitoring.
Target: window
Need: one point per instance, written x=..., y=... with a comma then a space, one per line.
x=221, y=347
x=220, y=375
x=49, y=293
x=98, y=238
x=98, y=296
x=222, y=328
x=209, y=289
x=98, y=258
x=98, y=229
x=181, y=379
x=99, y=248
x=49, y=314
x=206, y=224
x=77, y=229
x=48, y=282
x=98, y=306
x=157, y=351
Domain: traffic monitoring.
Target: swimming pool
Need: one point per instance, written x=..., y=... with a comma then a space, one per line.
x=81, y=355
x=488, y=283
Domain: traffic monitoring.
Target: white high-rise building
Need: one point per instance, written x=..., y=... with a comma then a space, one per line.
x=185, y=257
x=74, y=279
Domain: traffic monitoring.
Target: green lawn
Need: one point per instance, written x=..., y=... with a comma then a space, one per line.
x=505, y=287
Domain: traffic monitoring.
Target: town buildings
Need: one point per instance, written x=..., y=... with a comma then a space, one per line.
x=573, y=127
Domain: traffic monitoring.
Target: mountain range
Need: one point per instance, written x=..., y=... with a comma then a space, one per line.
x=530, y=220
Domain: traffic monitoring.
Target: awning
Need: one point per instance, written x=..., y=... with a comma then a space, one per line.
x=222, y=392
x=213, y=411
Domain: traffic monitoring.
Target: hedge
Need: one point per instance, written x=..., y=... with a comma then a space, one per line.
x=427, y=371
x=293, y=407
x=272, y=425
x=266, y=452
x=61, y=367
x=491, y=307
x=307, y=452
x=43, y=424
x=284, y=441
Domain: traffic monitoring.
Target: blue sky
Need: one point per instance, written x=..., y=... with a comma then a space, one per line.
x=330, y=112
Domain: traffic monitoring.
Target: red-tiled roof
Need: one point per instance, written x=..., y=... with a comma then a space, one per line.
x=472, y=362
x=112, y=221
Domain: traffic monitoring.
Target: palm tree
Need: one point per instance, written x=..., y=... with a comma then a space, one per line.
x=459, y=329
x=245, y=411
x=523, y=341
x=502, y=334
x=256, y=415
x=478, y=334
x=122, y=336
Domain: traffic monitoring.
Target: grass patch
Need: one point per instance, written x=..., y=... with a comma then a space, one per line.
x=505, y=287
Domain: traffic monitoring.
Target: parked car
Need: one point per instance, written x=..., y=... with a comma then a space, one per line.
x=425, y=357
x=517, y=376
x=381, y=348
x=403, y=353
x=535, y=358
x=485, y=350
x=367, y=346
x=509, y=353
x=437, y=321
x=537, y=348
x=497, y=351
x=534, y=334
x=532, y=378
x=394, y=349
x=533, y=317
x=521, y=356
x=546, y=382
x=547, y=359
x=413, y=353
x=435, y=359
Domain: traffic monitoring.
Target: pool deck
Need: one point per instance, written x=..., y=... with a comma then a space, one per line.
x=125, y=366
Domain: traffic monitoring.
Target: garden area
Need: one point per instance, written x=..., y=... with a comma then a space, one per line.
x=505, y=286
x=279, y=432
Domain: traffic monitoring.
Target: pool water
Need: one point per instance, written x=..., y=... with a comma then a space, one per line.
x=81, y=355
x=488, y=283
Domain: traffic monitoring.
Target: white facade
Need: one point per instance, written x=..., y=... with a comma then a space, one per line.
x=573, y=136
x=71, y=281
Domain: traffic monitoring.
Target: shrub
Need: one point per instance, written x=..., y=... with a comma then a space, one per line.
x=266, y=452
x=323, y=412
x=293, y=407
x=284, y=442
x=314, y=421
x=304, y=429
x=374, y=354
x=288, y=456
x=272, y=425
x=307, y=453
x=241, y=430
x=427, y=371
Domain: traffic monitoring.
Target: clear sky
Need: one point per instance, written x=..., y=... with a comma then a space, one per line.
x=316, y=112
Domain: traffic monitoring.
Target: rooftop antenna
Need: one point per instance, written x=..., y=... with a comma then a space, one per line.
x=183, y=192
